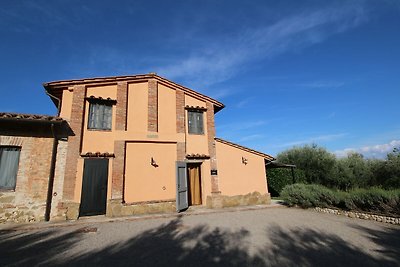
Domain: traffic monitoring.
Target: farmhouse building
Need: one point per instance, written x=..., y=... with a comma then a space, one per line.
x=130, y=145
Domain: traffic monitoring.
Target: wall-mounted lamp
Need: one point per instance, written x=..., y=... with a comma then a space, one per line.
x=153, y=162
x=244, y=160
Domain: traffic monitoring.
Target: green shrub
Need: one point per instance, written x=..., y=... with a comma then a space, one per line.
x=307, y=196
x=375, y=200
x=278, y=178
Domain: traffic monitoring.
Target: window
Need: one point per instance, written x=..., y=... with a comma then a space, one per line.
x=9, y=159
x=100, y=115
x=195, y=122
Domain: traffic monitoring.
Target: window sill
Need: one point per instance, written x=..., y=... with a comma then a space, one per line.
x=196, y=133
x=99, y=130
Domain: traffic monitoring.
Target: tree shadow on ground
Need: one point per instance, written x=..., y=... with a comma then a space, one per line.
x=27, y=248
x=308, y=247
x=176, y=244
x=386, y=239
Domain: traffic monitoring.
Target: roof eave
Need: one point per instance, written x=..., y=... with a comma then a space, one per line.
x=62, y=84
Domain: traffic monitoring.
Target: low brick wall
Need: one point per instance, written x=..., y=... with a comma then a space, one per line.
x=360, y=215
x=221, y=201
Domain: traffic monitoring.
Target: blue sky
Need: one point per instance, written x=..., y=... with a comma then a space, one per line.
x=289, y=72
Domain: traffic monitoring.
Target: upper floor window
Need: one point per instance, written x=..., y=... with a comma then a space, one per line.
x=9, y=160
x=100, y=116
x=195, y=122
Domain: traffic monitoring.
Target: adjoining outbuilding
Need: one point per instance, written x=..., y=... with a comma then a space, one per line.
x=29, y=162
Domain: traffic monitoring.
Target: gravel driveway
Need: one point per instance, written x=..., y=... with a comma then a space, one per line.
x=263, y=237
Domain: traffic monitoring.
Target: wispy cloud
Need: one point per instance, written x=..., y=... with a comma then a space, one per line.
x=374, y=151
x=251, y=137
x=331, y=115
x=322, y=84
x=220, y=61
x=240, y=126
x=243, y=102
x=315, y=139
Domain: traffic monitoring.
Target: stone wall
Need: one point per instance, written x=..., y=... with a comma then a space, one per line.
x=221, y=201
x=27, y=202
x=361, y=215
x=117, y=209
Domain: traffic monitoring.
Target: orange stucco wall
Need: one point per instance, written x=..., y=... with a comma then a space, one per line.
x=66, y=104
x=144, y=182
x=236, y=178
x=166, y=109
x=137, y=107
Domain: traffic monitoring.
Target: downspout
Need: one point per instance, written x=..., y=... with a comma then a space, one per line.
x=52, y=174
x=53, y=163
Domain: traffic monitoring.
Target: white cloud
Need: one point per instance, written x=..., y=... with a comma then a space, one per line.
x=315, y=139
x=374, y=151
x=225, y=57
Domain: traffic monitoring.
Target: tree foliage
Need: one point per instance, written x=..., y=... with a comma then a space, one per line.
x=315, y=165
x=315, y=162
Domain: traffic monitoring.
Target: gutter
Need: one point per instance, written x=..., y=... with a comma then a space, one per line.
x=58, y=102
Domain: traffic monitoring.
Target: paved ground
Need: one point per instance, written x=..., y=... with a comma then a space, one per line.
x=247, y=237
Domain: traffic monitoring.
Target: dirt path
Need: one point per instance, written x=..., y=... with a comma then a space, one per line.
x=263, y=237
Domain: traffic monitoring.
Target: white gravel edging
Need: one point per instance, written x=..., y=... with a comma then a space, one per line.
x=360, y=215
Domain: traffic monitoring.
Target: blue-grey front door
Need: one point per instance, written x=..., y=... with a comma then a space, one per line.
x=182, y=202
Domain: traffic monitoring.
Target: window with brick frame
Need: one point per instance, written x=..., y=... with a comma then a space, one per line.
x=9, y=160
x=100, y=116
x=195, y=122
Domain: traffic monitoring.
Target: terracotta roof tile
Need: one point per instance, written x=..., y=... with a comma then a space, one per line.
x=28, y=117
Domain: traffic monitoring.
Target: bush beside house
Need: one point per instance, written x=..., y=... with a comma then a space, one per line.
x=373, y=200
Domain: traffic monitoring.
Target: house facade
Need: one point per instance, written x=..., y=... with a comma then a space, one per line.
x=144, y=144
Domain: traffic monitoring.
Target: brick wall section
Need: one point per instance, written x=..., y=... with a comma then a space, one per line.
x=74, y=142
x=121, y=107
x=118, y=170
x=181, y=151
x=28, y=202
x=180, y=123
x=152, y=122
x=211, y=147
x=39, y=170
x=180, y=111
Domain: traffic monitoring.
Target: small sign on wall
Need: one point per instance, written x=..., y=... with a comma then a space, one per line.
x=214, y=172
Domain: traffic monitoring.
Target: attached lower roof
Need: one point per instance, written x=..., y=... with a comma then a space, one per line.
x=6, y=116
x=258, y=153
x=56, y=87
